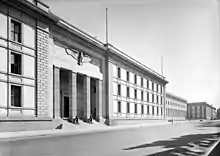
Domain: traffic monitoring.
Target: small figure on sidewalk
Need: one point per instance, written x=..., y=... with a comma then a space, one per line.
x=90, y=119
x=77, y=120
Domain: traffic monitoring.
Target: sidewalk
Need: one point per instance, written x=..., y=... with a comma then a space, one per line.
x=76, y=131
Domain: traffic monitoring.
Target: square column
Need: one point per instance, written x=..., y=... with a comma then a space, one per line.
x=98, y=100
x=56, y=92
x=86, y=91
x=72, y=95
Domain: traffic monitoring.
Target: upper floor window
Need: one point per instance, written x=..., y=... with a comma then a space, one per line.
x=157, y=110
x=128, y=107
x=142, y=95
x=15, y=96
x=161, y=100
x=142, y=82
x=142, y=109
x=128, y=92
x=119, y=89
x=135, y=108
x=152, y=86
x=119, y=72
x=147, y=97
x=135, y=79
x=147, y=84
x=128, y=76
x=153, y=110
x=16, y=63
x=153, y=98
x=157, y=99
x=157, y=88
x=135, y=93
x=161, y=89
x=16, y=31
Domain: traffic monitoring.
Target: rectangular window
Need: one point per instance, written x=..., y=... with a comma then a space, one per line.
x=157, y=99
x=15, y=31
x=148, y=109
x=128, y=92
x=15, y=96
x=135, y=93
x=152, y=86
x=119, y=106
x=157, y=88
x=147, y=97
x=16, y=63
x=157, y=110
x=161, y=100
x=147, y=84
x=142, y=95
x=153, y=98
x=142, y=109
x=135, y=108
x=135, y=79
x=161, y=89
x=153, y=110
x=128, y=76
x=119, y=89
x=142, y=82
x=128, y=107
x=119, y=72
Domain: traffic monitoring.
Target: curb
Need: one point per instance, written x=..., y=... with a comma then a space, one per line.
x=212, y=148
x=10, y=136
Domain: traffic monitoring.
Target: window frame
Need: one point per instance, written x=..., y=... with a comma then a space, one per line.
x=135, y=79
x=128, y=76
x=13, y=104
x=119, y=89
x=128, y=107
x=135, y=108
x=119, y=72
x=20, y=63
x=13, y=32
x=119, y=106
x=128, y=91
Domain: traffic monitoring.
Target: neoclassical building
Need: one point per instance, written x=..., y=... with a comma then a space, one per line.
x=51, y=70
x=176, y=107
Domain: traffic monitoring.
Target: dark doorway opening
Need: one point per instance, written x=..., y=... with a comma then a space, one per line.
x=66, y=106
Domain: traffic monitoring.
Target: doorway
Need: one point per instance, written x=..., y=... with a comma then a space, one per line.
x=66, y=107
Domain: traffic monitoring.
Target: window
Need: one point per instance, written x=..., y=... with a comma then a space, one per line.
x=128, y=92
x=153, y=98
x=142, y=95
x=161, y=100
x=119, y=106
x=135, y=93
x=161, y=111
x=15, y=63
x=148, y=109
x=15, y=31
x=153, y=110
x=15, y=96
x=157, y=88
x=119, y=89
x=142, y=109
x=119, y=72
x=128, y=107
x=161, y=89
x=147, y=84
x=142, y=82
x=147, y=97
x=135, y=108
x=157, y=110
x=135, y=79
x=152, y=86
x=128, y=76
x=157, y=99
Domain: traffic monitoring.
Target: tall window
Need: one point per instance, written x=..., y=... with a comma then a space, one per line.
x=142, y=95
x=147, y=84
x=161, y=100
x=148, y=109
x=128, y=76
x=161, y=89
x=157, y=110
x=135, y=108
x=152, y=86
x=135, y=93
x=15, y=63
x=15, y=96
x=157, y=88
x=119, y=106
x=128, y=92
x=128, y=107
x=15, y=31
x=119, y=72
x=147, y=97
x=135, y=79
x=153, y=110
x=142, y=82
x=153, y=98
x=119, y=89
x=157, y=99
x=142, y=109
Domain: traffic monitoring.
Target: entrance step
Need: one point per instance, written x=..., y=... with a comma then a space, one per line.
x=82, y=125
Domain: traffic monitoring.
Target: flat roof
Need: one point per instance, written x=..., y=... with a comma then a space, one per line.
x=176, y=97
x=201, y=103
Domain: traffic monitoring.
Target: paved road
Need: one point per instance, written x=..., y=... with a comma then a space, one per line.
x=193, y=138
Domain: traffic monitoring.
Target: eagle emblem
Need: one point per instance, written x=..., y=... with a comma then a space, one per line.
x=79, y=56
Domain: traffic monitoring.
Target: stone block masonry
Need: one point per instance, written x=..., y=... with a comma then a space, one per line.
x=42, y=72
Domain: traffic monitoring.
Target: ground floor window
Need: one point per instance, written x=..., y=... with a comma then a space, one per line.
x=128, y=107
x=135, y=108
x=119, y=106
x=15, y=96
x=142, y=109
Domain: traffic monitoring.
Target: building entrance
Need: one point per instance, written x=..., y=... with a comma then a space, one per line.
x=66, y=107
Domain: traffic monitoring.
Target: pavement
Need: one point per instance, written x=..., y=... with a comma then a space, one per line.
x=189, y=138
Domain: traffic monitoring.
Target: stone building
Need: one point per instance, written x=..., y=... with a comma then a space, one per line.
x=200, y=110
x=176, y=107
x=51, y=70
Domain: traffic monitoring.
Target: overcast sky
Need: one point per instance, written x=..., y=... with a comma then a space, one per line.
x=185, y=32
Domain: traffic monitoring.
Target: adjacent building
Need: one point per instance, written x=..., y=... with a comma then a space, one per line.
x=176, y=107
x=51, y=70
x=200, y=110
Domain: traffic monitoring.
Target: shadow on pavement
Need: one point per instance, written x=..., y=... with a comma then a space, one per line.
x=194, y=144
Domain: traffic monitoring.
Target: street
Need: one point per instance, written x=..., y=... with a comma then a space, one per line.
x=189, y=138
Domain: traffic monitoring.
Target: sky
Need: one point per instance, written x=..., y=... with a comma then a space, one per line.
x=185, y=33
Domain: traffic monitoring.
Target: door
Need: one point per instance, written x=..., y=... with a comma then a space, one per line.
x=66, y=106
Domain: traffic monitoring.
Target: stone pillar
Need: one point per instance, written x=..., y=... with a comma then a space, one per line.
x=98, y=100
x=56, y=92
x=86, y=91
x=72, y=95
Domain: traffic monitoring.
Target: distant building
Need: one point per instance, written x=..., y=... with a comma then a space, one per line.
x=176, y=107
x=200, y=110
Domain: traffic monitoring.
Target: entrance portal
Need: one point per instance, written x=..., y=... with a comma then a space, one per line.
x=66, y=107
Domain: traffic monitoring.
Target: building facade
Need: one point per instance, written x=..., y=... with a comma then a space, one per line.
x=176, y=107
x=200, y=110
x=51, y=70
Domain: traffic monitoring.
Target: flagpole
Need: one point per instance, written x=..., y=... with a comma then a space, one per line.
x=162, y=65
x=106, y=24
